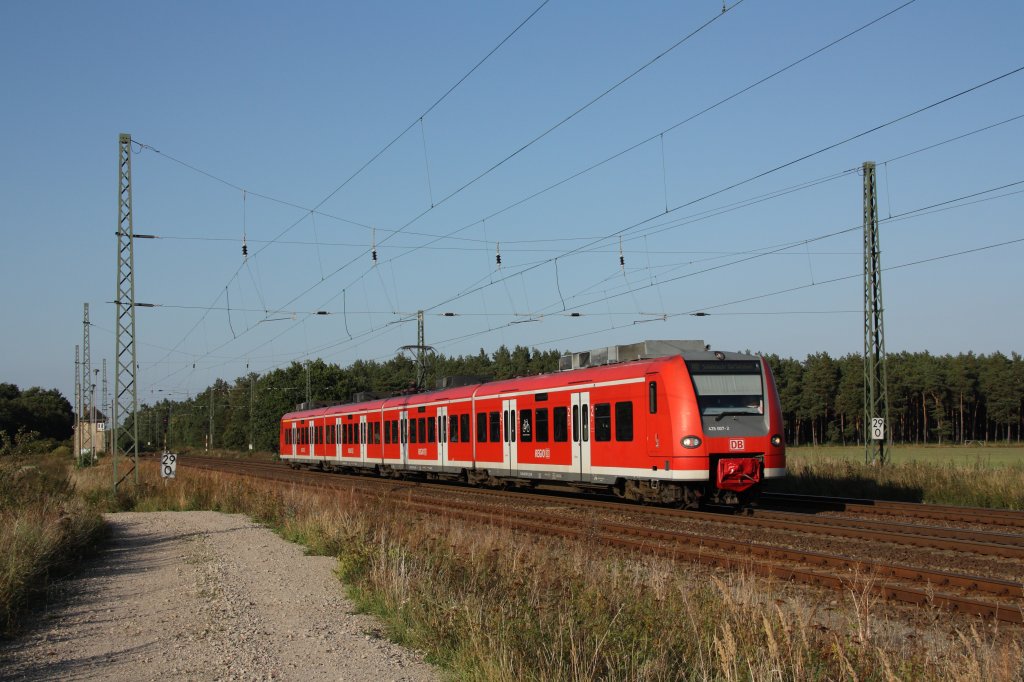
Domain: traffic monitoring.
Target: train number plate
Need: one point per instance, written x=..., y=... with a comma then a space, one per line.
x=736, y=444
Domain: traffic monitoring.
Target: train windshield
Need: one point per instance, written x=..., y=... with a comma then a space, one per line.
x=728, y=387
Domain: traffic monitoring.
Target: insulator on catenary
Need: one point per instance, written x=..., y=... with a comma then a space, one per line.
x=497, y=255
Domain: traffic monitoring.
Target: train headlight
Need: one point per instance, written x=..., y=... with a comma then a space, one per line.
x=776, y=440
x=691, y=442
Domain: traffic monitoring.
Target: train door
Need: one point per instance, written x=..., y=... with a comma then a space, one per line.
x=363, y=433
x=312, y=438
x=404, y=436
x=337, y=437
x=508, y=426
x=295, y=439
x=659, y=430
x=581, y=432
x=442, y=436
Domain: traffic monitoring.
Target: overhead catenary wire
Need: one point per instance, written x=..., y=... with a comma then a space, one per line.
x=498, y=164
x=521, y=272
x=770, y=76
x=361, y=168
x=536, y=316
x=557, y=280
x=788, y=164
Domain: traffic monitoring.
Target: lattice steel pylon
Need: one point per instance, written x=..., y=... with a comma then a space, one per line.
x=876, y=393
x=78, y=405
x=126, y=400
x=88, y=388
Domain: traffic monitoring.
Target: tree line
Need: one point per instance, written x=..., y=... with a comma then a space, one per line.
x=932, y=399
x=938, y=399
x=248, y=410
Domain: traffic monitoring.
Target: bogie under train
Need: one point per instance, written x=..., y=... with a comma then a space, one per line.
x=684, y=428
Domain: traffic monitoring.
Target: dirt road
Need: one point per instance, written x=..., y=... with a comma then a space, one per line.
x=205, y=596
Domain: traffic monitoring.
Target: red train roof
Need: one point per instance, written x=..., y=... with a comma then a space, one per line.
x=538, y=382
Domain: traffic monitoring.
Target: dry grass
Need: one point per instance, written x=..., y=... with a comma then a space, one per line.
x=44, y=529
x=493, y=604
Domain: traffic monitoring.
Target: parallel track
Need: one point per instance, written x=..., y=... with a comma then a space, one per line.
x=935, y=512
x=962, y=593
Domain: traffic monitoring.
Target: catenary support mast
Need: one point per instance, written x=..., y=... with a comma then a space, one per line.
x=124, y=418
x=88, y=387
x=78, y=405
x=877, y=426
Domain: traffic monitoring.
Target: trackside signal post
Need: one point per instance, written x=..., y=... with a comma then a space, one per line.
x=876, y=395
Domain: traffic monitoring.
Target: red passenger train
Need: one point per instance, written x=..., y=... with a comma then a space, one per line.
x=660, y=421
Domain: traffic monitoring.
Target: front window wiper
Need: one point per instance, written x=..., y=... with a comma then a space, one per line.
x=732, y=413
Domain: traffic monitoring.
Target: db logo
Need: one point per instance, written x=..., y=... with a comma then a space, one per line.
x=736, y=444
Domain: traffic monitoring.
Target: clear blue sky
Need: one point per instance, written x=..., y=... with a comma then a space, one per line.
x=288, y=100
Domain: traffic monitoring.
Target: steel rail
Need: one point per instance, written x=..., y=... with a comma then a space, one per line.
x=986, y=543
x=941, y=512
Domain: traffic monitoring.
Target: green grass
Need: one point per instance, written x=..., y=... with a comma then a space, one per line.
x=971, y=456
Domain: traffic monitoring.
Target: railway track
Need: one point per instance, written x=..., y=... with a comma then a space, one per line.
x=917, y=510
x=971, y=594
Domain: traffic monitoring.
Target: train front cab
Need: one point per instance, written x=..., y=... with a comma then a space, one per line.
x=713, y=428
x=738, y=412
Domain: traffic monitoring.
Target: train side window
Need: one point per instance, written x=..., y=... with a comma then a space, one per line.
x=338, y=433
x=405, y=430
x=542, y=425
x=387, y=433
x=394, y=431
x=575, y=423
x=603, y=422
x=421, y=430
x=624, y=421
x=504, y=416
x=481, y=427
x=442, y=429
x=329, y=432
x=464, y=427
x=495, y=427
x=560, y=417
x=495, y=423
x=431, y=431
x=414, y=436
x=376, y=433
x=585, y=419
x=652, y=397
x=453, y=427
x=526, y=426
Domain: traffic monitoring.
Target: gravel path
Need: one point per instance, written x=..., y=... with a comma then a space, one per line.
x=205, y=596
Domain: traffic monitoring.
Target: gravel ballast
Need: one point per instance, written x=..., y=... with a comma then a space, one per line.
x=205, y=596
